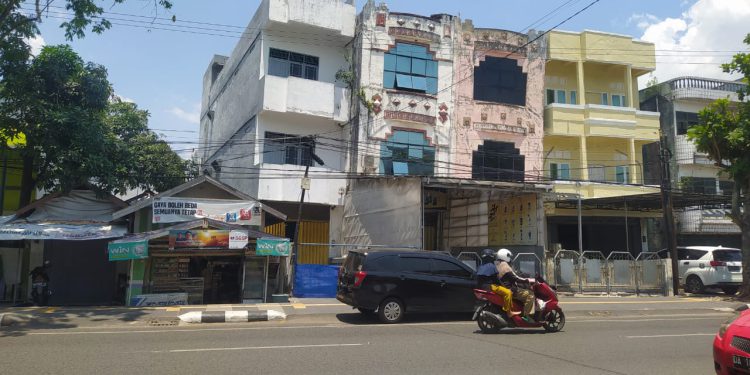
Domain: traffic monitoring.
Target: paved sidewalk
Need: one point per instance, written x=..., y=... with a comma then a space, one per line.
x=298, y=308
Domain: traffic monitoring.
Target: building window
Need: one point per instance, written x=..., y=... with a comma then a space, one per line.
x=287, y=149
x=550, y=96
x=685, y=120
x=605, y=99
x=500, y=80
x=621, y=174
x=699, y=185
x=498, y=161
x=410, y=67
x=726, y=187
x=573, y=97
x=407, y=153
x=597, y=173
x=561, y=96
x=284, y=64
x=619, y=100
x=559, y=171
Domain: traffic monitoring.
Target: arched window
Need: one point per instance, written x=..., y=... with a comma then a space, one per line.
x=410, y=67
x=407, y=153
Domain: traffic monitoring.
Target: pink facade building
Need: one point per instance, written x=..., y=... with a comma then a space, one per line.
x=498, y=125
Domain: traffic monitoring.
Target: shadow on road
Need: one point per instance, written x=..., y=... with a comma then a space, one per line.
x=44, y=318
x=362, y=319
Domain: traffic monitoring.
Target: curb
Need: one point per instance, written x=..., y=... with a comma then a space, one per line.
x=8, y=319
x=231, y=316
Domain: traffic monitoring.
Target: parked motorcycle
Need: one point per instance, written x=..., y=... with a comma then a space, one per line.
x=491, y=318
x=40, y=292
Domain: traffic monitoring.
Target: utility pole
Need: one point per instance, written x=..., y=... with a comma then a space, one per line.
x=665, y=156
x=309, y=145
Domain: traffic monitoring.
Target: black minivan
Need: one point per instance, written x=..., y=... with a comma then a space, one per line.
x=394, y=282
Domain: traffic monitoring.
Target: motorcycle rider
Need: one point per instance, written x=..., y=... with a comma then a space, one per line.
x=488, y=279
x=514, y=282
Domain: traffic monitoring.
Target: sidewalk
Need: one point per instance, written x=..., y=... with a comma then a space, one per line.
x=298, y=308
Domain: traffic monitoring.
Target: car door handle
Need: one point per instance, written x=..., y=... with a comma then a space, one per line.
x=442, y=283
x=686, y=263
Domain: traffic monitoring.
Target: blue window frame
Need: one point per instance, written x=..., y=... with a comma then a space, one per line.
x=410, y=67
x=407, y=153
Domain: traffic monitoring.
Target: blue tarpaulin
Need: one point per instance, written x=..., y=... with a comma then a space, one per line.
x=315, y=281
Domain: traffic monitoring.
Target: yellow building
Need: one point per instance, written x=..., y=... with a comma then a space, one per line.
x=594, y=134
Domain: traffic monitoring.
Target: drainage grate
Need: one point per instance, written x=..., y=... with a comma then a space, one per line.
x=163, y=322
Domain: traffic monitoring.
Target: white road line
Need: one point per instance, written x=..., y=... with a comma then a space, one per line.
x=254, y=348
x=682, y=335
x=374, y=325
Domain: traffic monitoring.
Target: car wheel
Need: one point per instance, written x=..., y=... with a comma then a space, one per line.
x=366, y=312
x=694, y=284
x=730, y=290
x=391, y=311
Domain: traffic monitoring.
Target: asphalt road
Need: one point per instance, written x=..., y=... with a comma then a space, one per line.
x=674, y=343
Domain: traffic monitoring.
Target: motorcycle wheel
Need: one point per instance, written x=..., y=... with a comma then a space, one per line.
x=487, y=326
x=555, y=321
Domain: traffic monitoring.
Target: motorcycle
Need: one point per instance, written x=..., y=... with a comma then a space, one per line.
x=491, y=318
x=40, y=293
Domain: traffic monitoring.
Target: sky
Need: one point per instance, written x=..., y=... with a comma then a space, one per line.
x=161, y=70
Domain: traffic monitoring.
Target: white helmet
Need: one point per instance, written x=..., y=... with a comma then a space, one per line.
x=504, y=255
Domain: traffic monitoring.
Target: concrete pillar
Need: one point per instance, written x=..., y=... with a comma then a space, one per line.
x=584, y=167
x=634, y=170
x=632, y=99
x=581, y=87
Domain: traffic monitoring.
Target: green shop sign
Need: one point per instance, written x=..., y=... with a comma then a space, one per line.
x=127, y=250
x=272, y=247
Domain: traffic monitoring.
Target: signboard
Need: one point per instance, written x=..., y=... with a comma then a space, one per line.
x=513, y=221
x=53, y=231
x=165, y=299
x=176, y=209
x=238, y=239
x=272, y=247
x=127, y=250
x=198, y=238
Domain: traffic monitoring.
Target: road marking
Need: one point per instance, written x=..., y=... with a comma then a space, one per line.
x=682, y=335
x=692, y=300
x=299, y=305
x=254, y=348
x=173, y=309
x=375, y=325
x=50, y=310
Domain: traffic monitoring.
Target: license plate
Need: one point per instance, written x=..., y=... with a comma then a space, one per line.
x=741, y=362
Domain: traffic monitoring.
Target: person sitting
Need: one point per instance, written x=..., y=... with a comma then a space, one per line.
x=487, y=279
x=512, y=281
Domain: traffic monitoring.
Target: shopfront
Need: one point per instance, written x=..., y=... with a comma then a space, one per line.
x=202, y=262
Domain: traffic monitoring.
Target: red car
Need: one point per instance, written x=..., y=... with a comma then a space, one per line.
x=732, y=344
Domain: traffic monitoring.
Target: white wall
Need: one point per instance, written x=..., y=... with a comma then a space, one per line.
x=334, y=15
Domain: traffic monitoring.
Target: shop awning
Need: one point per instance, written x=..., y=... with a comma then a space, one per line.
x=57, y=231
x=647, y=202
x=215, y=224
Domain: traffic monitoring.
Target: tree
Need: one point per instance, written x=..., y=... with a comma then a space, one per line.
x=723, y=133
x=77, y=133
x=18, y=24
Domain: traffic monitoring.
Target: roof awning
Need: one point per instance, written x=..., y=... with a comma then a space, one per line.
x=648, y=202
x=57, y=231
x=161, y=232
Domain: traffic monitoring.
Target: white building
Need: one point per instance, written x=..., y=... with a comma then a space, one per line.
x=277, y=87
x=679, y=100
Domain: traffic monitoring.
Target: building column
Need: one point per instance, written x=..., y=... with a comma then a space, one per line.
x=584, y=167
x=581, y=87
x=632, y=99
x=634, y=170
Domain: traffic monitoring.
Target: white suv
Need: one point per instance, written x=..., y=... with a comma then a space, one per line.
x=709, y=266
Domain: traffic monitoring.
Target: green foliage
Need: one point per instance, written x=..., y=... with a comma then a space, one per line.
x=77, y=134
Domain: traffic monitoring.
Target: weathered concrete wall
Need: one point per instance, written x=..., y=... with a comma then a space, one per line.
x=477, y=121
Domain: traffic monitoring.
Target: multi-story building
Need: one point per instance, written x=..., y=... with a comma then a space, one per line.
x=594, y=134
x=679, y=100
x=262, y=103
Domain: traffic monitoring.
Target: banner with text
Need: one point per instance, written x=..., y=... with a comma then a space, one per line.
x=272, y=247
x=127, y=250
x=178, y=209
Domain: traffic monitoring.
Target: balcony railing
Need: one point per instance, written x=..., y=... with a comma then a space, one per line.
x=704, y=83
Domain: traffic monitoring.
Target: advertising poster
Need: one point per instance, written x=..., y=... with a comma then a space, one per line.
x=273, y=247
x=165, y=299
x=513, y=221
x=127, y=250
x=176, y=209
x=238, y=239
x=198, y=239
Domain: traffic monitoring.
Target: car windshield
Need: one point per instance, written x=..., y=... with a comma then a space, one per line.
x=728, y=256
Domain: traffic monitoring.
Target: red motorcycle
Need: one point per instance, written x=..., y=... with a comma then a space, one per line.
x=491, y=318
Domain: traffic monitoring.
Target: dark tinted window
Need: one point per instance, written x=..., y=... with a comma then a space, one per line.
x=696, y=254
x=498, y=161
x=728, y=255
x=353, y=261
x=414, y=264
x=685, y=120
x=682, y=253
x=384, y=263
x=500, y=80
x=446, y=268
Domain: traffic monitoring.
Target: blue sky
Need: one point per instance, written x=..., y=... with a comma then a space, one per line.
x=162, y=70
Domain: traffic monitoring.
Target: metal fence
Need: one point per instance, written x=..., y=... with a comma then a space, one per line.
x=528, y=263
x=591, y=272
